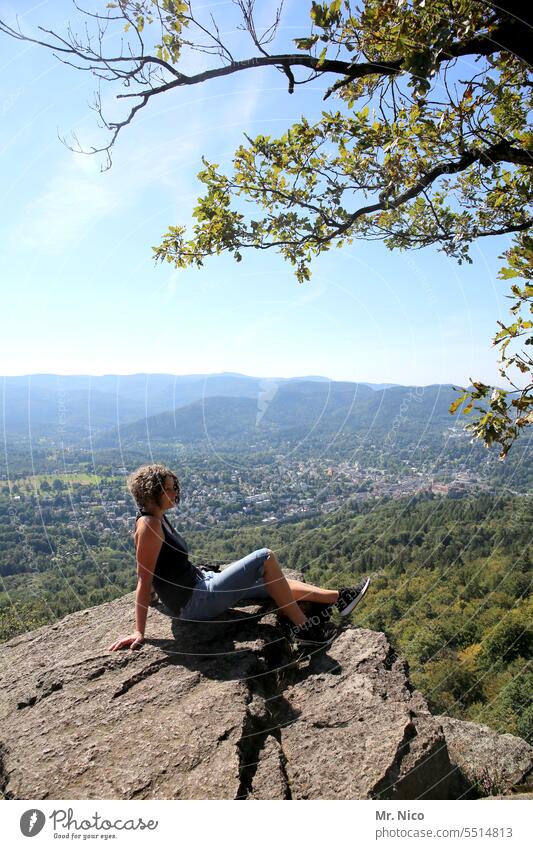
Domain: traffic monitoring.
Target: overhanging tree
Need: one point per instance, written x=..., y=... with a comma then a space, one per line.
x=418, y=150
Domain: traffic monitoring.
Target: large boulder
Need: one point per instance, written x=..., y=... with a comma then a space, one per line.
x=487, y=763
x=212, y=710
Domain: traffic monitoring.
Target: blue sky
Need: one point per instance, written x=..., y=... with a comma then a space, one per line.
x=81, y=293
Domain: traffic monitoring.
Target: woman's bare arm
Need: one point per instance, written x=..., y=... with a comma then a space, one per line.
x=149, y=538
x=149, y=541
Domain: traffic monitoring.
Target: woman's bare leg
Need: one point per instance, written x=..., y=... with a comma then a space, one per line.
x=279, y=590
x=307, y=592
x=286, y=592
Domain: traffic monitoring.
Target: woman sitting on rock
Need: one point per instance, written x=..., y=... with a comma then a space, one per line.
x=192, y=593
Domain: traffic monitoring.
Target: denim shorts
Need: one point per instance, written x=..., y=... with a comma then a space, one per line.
x=217, y=591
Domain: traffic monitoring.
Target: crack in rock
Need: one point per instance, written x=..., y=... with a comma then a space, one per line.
x=144, y=673
x=386, y=787
x=283, y=766
x=267, y=714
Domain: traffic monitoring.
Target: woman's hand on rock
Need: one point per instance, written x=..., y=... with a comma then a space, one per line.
x=133, y=641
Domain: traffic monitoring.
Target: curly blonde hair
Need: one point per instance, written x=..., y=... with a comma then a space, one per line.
x=147, y=482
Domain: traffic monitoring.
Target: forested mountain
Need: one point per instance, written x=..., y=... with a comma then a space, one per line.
x=69, y=407
x=127, y=409
x=296, y=411
x=119, y=420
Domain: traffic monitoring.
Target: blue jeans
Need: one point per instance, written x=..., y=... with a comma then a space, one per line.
x=217, y=591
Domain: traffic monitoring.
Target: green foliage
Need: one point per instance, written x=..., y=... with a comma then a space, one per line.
x=508, y=411
x=440, y=173
x=450, y=685
x=172, y=16
x=506, y=702
x=524, y=723
x=23, y=616
x=517, y=698
x=512, y=638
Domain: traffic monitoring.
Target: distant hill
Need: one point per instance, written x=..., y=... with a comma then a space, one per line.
x=295, y=411
x=228, y=410
x=70, y=407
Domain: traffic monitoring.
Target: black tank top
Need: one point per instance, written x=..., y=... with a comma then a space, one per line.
x=174, y=574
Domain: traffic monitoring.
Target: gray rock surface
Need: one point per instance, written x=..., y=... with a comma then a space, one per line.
x=211, y=710
x=358, y=731
x=495, y=763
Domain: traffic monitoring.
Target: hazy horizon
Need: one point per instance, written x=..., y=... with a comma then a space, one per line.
x=227, y=374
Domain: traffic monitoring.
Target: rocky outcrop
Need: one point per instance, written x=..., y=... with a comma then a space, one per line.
x=490, y=763
x=212, y=710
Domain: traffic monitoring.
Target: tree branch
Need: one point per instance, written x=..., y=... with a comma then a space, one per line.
x=509, y=37
x=500, y=152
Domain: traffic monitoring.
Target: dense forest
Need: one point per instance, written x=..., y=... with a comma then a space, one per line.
x=451, y=586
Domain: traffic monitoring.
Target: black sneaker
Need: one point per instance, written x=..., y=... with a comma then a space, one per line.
x=349, y=597
x=312, y=633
